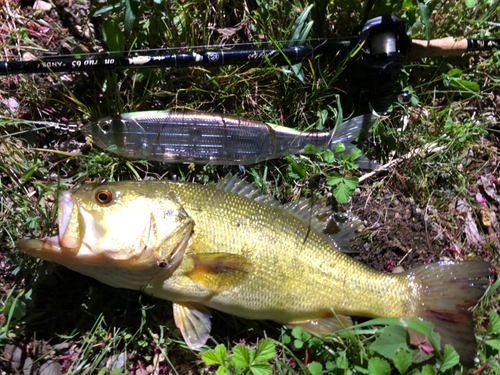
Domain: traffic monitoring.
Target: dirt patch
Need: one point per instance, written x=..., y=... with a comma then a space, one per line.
x=408, y=232
x=396, y=233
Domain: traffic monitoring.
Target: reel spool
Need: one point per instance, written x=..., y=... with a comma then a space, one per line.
x=385, y=43
x=384, y=51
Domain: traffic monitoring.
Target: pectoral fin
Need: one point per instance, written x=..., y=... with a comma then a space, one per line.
x=218, y=271
x=322, y=326
x=194, y=322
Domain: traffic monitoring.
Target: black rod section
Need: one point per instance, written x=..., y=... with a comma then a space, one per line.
x=482, y=45
x=204, y=59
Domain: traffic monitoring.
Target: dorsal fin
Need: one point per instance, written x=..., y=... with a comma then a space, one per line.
x=319, y=215
x=236, y=185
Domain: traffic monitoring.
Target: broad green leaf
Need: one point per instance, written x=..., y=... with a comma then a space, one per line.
x=378, y=366
x=465, y=85
x=470, y=3
x=494, y=324
x=391, y=339
x=342, y=361
x=343, y=191
x=265, y=350
x=113, y=36
x=425, y=14
x=328, y=156
x=330, y=365
x=298, y=344
x=103, y=371
x=402, y=361
x=297, y=332
x=216, y=356
x=315, y=343
x=286, y=339
x=420, y=326
x=427, y=370
x=221, y=352
x=315, y=368
x=454, y=73
x=333, y=179
x=339, y=147
x=210, y=358
x=310, y=149
x=116, y=371
x=221, y=371
x=356, y=153
x=306, y=336
x=131, y=12
x=297, y=170
x=261, y=369
x=420, y=356
x=450, y=358
x=241, y=355
x=494, y=343
x=351, y=182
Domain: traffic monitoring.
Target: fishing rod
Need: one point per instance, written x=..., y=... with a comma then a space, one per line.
x=385, y=47
x=383, y=38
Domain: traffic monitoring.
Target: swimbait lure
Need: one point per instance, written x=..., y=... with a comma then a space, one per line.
x=206, y=138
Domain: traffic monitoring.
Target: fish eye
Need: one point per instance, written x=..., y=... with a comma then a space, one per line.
x=103, y=196
x=105, y=126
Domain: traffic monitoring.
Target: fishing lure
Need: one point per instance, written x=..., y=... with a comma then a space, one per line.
x=206, y=138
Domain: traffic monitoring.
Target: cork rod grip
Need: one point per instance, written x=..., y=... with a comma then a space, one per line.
x=437, y=47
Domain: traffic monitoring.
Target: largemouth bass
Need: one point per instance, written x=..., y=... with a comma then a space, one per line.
x=207, y=138
x=231, y=248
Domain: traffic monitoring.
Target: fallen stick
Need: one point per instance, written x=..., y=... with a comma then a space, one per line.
x=418, y=151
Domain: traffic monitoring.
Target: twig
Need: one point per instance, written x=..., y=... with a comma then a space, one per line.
x=403, y=258
x=409, y=155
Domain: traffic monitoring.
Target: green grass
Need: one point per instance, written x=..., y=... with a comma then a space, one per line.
x=453, y=109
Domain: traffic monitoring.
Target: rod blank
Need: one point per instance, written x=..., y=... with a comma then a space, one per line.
x=205, y=59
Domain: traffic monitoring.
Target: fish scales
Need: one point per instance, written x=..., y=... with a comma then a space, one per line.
x=233, y=249
x=203, y=138
x=277, y=284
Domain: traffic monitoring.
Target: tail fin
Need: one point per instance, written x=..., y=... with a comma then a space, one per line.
x=348, y=131
x=449, y=289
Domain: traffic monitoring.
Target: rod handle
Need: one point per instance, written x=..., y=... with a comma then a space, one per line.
x=449, y=46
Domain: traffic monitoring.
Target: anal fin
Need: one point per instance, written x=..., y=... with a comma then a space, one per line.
x=218, y=271
x=322, y=326
x=194, y=322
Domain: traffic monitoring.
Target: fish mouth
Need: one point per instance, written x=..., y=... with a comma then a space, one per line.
x=46, y=248
x=70, y=238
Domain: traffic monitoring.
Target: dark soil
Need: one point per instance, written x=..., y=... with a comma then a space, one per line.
x=401, y=233
x=397, y=234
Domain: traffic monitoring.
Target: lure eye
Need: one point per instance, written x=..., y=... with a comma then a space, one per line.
x=103, y=196
x=106, y=127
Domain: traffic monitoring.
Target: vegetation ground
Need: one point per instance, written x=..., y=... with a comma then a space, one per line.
x=437, y=200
